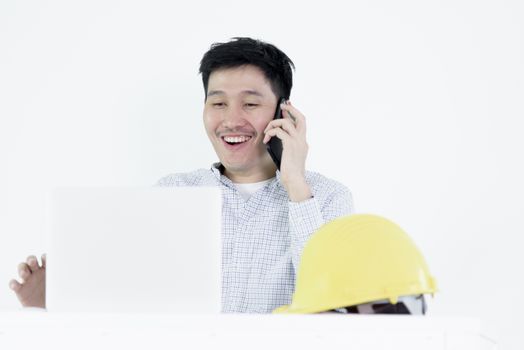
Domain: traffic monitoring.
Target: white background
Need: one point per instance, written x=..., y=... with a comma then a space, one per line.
x=415, y=106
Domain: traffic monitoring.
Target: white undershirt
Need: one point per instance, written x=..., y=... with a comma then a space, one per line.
x=247, y=190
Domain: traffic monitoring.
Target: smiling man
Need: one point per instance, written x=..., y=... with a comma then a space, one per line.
x=268, y=214
x=240, y=105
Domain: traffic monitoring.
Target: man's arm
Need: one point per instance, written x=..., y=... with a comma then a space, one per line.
x=308, y=216
x=307, y=211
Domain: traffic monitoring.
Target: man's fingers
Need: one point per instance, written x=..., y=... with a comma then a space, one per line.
x=14, y=285
x=32, y=262
x=276, y=132
x=285, y=124
x=44, y=260
x=298, y=118
x=24, y=271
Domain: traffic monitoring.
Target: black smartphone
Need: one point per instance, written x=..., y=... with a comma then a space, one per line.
x=274, y=145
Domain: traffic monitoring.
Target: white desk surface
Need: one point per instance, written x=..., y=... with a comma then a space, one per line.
x=46, y=330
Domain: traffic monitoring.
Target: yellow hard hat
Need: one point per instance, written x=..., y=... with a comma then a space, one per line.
x=358, y=259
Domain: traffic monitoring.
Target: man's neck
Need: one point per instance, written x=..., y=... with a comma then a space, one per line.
x=251, y=176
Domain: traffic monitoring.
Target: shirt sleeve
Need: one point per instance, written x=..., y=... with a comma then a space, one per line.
x=307, y=216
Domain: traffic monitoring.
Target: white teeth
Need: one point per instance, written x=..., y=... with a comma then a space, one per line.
x=236, y=139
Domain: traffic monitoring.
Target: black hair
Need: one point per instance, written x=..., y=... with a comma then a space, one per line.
x=274, y=63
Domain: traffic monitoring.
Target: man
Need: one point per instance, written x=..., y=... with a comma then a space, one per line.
x=268, y=214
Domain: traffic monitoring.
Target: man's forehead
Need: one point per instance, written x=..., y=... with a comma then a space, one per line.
x=247, y=79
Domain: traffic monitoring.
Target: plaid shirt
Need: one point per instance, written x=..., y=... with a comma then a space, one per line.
x=263, y=237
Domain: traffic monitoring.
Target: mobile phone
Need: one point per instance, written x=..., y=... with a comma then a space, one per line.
x=274, y=145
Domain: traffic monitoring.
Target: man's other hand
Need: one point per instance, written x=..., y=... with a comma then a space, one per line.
x=30, y=290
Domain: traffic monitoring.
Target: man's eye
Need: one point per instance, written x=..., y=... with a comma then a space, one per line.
x=251, y=105
x=219, y=104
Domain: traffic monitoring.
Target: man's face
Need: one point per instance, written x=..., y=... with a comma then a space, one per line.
x=239, y=106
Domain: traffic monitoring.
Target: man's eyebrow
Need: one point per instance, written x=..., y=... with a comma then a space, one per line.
x=245, y=92
x=214, y=92
x=252, y=92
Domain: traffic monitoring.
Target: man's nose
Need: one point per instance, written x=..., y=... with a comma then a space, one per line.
x=234, y=116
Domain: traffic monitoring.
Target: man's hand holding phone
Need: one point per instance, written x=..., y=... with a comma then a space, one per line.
x=291, y=130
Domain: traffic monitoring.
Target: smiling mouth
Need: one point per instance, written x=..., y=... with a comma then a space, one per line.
x=236, y=140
